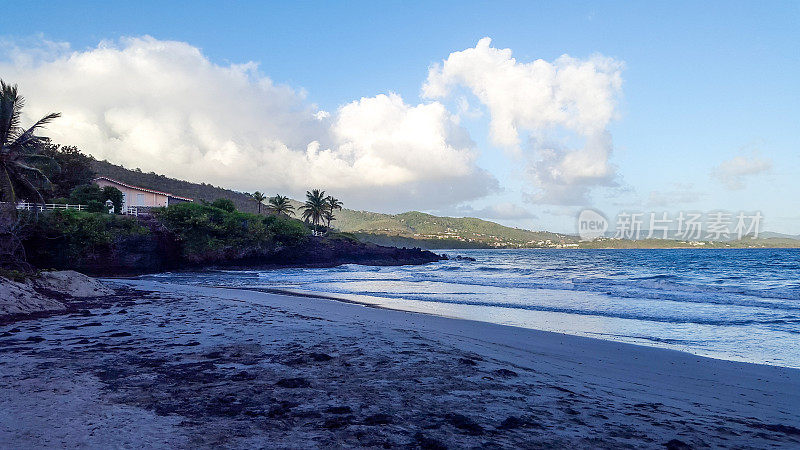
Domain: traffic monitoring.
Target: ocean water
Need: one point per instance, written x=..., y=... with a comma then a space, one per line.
x=741, y=304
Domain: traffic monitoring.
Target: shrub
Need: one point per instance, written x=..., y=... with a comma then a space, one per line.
x=95, y=198
x=206, y=228
x=70, y=235
x=287, y=231
x=96, y=206
x=86, y=193
x=224, y=204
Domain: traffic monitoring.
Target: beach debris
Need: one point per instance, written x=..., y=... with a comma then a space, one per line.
x=378, y=419
x=339, y=410
x=320, y=357
x=428, y=443
x=513, y=422
x=337, y=422
x=292, y=383
x=676, y=444
x=464, y=423
x=505, y=373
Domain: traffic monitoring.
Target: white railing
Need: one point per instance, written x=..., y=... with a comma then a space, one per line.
x=48, y=206
x=138, y=210
x=26, y=206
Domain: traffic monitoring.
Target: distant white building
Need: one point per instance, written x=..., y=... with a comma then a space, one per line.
x=138, y=196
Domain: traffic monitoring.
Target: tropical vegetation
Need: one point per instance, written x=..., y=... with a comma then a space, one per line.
x=259, y=198
x=21, y=158
x=315, y=207
x=212, y=228
x=281, y=206
x=95, y=197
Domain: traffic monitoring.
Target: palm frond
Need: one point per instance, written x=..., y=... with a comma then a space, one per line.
x=27, y=138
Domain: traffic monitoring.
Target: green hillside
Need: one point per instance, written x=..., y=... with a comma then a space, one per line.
x=417, y=225
x=406, y=229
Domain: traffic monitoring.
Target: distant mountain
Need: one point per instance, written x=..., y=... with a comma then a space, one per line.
x=772, y=235
x=406, y=229
x=421, y=226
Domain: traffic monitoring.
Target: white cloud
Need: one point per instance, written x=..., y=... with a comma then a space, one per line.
x=734, y=172
x=164, y=106
x=563, y=106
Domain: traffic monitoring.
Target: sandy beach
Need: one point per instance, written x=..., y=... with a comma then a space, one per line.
x=161, y=365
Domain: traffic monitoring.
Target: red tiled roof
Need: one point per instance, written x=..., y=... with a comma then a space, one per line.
x=143, y=189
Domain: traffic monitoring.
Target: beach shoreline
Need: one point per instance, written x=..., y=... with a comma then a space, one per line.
x=186, y=366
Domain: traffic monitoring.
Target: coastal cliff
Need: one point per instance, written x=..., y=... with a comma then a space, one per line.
x=107, y=245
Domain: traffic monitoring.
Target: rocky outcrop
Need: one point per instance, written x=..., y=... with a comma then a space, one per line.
x=321, y=252
x=159, y=250
x=71, y=283
x=22, y=298
x=47, y=291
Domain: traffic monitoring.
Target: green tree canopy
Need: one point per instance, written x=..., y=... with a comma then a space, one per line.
x=75, y=169
x=225, y=204
x=95, y=198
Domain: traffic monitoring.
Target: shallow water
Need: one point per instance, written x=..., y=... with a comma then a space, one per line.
x=741, y=304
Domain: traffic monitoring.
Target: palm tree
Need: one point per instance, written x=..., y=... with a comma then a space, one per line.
x=333, y=204
x=259, y=197
x=20, y=149
x=315, y=206
x=280, y=205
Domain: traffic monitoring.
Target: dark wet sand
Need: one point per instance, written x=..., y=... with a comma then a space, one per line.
x=187, y=367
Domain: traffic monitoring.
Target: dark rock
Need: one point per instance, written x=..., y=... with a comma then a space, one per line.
x=283, y=408
x=320, y=357
x=778, y=428
x=293, y=383
x=467, y=362
x=675, y=444
x=378, y=419
x=243, y=376
x=337, y=422
x=213, y=355
x=512, y=422
x=465, y=424
x=226, y=406
x=339, y=410
x=428, y=443
x=505, y=373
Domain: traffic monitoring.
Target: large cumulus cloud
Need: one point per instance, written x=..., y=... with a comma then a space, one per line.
x=164, y=106
x=554, y=113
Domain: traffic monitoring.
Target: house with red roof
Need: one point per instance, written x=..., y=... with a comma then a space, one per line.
x=134, y=196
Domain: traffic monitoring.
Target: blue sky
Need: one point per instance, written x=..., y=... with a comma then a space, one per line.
x=702, y=83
